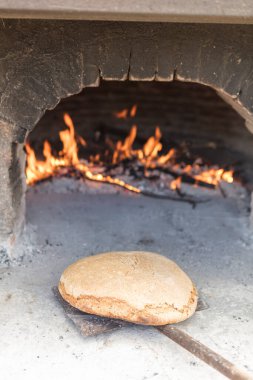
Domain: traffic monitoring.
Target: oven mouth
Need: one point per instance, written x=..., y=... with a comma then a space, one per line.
x=151, y=138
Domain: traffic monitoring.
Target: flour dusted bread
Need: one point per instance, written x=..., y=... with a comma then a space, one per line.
x=140, y=287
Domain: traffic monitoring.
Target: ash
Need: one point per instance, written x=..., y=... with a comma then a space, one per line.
x=67, y=220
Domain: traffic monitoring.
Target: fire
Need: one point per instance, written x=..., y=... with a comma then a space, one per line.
x=149, y=157
x=70, y=148
x=37, y=170
x=133, y=111
x=176, y=184
x=123, y=114
x=214, y=176
x=68, y=157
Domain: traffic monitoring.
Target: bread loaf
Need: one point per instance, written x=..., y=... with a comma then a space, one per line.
x=140, y=287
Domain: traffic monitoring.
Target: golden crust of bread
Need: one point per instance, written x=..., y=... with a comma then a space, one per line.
x=140, y=287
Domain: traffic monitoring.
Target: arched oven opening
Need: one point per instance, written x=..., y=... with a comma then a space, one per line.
x=176, y=140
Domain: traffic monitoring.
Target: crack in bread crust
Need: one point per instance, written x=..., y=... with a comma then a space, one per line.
x=115, y=308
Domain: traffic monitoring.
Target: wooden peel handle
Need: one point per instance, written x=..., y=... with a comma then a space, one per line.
x=204, y=353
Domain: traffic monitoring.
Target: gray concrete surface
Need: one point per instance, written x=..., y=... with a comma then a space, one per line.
x=212, y=243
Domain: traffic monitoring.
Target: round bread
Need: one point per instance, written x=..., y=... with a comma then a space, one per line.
x=140, y=287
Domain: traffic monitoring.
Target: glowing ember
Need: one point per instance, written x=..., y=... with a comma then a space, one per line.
x=176, y=184
x=214, y=176
x=149, y=157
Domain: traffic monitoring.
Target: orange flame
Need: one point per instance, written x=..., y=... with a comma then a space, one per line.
x=214, y=176
x=38, y=170
x=133, y=110
x=123, y=114
x=176, y=183
x=149, y=156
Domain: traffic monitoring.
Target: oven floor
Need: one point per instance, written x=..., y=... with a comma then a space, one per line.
x=212, y=243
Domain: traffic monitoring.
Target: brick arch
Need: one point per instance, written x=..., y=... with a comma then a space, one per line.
x=44, y=61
